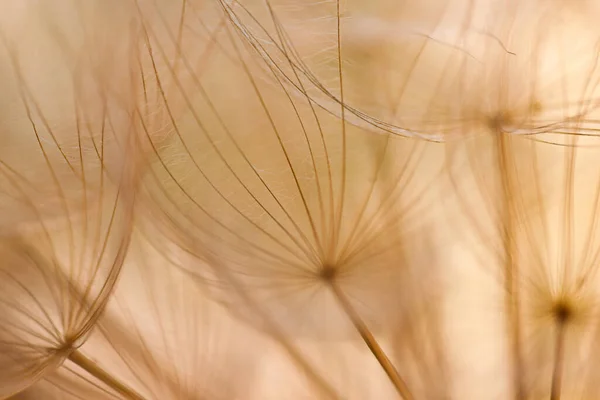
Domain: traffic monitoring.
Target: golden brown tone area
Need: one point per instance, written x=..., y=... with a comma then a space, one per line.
x=299, y=200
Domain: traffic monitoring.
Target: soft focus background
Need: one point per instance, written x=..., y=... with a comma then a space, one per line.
x=271, y=199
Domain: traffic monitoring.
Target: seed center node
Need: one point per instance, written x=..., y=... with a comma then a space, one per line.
x=327, y=273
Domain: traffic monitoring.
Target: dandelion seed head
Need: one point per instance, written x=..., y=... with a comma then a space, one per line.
x=243, y=133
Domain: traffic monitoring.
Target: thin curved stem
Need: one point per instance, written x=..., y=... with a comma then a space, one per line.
x=557, y=370
x=511, y=269
x=372, y=344
x=79, y=359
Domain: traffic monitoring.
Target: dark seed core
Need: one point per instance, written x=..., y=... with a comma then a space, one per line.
x=562, y=312
x=327, y=273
